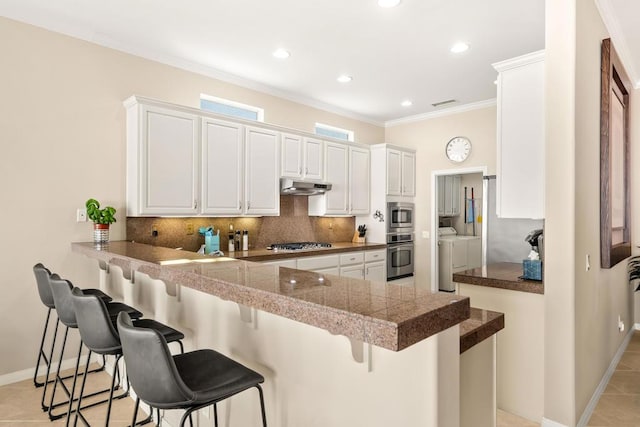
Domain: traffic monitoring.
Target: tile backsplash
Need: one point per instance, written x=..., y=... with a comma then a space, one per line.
x=293, y=225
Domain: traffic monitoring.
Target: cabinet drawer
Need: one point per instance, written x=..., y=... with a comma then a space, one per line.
x=318, y=262
x=352, y=258
x=377, y=255
x=289, y=263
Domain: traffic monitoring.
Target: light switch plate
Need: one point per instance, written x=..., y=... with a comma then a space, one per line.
x=425, y=234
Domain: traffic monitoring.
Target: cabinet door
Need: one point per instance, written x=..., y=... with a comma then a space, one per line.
x=221, y=167
x=355, y=271
x=408, y=174
x=169, y=166
x=441, y=192
x=313, y=158
x=291, y=156
x=448, y=195
x=358, y=181
x=394, y=177
x=455, y=195
x=336, y=173
x=521, y=138
x=459, y=255
x=375, y=271
x=262, y=170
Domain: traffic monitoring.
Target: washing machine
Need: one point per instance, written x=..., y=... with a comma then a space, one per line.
x=456, y=253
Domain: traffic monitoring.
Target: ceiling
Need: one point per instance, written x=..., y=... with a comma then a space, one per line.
x=392, y=54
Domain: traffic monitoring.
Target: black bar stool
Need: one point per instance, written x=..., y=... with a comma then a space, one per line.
x=99, y=334
x=42, y=275
x=190, y=381
x=61, y=290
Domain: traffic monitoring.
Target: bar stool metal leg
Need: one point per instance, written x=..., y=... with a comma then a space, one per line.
x=41, y=354
x=45, y=408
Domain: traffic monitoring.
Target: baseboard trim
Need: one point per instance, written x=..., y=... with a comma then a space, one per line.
x=588, y=411
x=550, y=423
x=14, y=377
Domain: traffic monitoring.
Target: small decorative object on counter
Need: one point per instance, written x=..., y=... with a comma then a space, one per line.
x=245, y=240
x=102, y=219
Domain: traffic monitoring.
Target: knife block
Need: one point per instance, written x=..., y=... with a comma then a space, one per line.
x=357, y=238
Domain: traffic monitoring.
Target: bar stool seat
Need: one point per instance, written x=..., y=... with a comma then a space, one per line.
x=61, y=290
x=188, y=381
x=100, y=335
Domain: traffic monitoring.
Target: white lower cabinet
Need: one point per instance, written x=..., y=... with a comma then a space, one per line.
x=354, y=271
x=289, y=263
x=375, y=271
x=314, y=263
x=369, y=265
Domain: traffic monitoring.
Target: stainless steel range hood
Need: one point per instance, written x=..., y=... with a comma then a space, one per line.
x=294, y=186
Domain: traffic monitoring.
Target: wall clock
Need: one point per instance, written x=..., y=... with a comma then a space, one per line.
x=458, y=149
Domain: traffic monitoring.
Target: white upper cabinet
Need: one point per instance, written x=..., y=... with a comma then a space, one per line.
x=520, y=137
x=302, y=157
x=394, y=173
x=313, y=158
x=222, y=171
x=401, y=173
x=347, y=169
x=262, y=170
x=408, y=174
x=449, y=195
x=162, y=161
x=335, y=201
x=359, y=170
x=291, y=163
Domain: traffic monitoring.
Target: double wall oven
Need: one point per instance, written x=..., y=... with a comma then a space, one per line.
x=400, y=246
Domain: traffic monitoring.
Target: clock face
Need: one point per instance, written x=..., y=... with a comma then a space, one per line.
x=458, y=149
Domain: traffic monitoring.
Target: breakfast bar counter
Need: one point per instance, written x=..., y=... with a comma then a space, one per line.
x=389, y=316
x=334, y=351
x=504, y=275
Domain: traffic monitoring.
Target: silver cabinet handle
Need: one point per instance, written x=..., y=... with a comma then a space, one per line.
x=239, y=204
x=306, y=170
x=300, y=170
x=248, y=205
x=195, y=204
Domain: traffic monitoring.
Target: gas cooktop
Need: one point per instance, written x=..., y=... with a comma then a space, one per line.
x=298, y=246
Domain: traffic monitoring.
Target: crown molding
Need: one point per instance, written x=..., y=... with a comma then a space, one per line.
x=441, y=113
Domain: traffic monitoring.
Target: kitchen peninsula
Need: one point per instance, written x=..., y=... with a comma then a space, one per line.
x=401, y=349
x=499, y=287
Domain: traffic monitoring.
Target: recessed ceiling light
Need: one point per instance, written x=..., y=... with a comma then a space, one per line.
x=495, y=82
x=344, y=78
x=406, y=103
x=388, y=3
x=459, y=47
x=281, y=53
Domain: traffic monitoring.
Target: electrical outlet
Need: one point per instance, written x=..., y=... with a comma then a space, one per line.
x=154, y=230
x=81, y=215
x=189, y=227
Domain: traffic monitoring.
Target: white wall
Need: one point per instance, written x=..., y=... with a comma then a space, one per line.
x=428, y=138
x=62, y=128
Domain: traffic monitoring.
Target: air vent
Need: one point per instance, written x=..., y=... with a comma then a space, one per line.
x=449, y=101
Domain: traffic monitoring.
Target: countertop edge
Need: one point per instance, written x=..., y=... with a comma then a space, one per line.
x=387, y=334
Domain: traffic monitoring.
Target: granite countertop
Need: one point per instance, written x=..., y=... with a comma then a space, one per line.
x=258, y=255
x=386, y=315
x=504, y=275
x=481, y=325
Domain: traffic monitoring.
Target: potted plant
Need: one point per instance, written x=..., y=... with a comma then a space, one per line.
x=101, y=218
